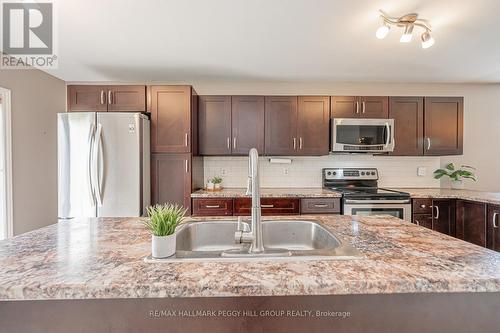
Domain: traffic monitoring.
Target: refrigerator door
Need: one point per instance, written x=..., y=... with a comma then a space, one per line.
x=119, y=164
x=75, y=135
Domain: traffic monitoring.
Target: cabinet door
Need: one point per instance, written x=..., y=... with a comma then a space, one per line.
x=423, y=220
x=280, y=125
x=408, y=115
x=320, y=205
x=171, y=179
x=345, y=107
x=313, y=128
x=493, y=232
x=471, y=222
x=443, y=216
x=214, y=125
x=170, y=119
x=374, y=107
x=127, y=98
x=87, y=98
x=443, y=126
x=247, y=118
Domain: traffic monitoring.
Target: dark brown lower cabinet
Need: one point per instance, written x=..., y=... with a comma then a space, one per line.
x=320, y=206
x=471, y=222
x=213, y=207
x=269, y=206
x=435, y=214
x=174, y=177
x=493, y=228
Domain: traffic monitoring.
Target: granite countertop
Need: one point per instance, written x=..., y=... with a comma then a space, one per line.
x=307, y=192
x=103, y=258
x=480, y=196
x=446, y=193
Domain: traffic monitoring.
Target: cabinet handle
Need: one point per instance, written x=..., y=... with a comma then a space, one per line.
x=357, y=107
x=428, y=143
x=495, y=220
x=110, y=97
x=103, y=96
x=267, y=206
x=363, y=107
x=417, y=223
x=212, y=206
x=228, y=143
x=186, y=139
x=300, y=143
x=320, y=205
x=234, y=143
x=294, y=144
x=437, y=212
x=187, y=166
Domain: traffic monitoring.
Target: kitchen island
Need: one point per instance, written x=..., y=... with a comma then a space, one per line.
x=94, y=259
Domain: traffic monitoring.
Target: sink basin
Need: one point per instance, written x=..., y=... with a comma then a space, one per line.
x=303, y=240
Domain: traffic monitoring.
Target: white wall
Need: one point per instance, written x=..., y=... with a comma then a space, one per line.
x=36, y=99
x=481, y=125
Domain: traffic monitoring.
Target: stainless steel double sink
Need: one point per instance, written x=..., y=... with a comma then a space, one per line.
x=302, y=240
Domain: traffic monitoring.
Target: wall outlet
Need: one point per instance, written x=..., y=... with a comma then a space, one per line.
x=223, y=172
x=286, y=171
x=421, y=171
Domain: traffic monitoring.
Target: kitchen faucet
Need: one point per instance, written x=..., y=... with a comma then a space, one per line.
x=254, y=236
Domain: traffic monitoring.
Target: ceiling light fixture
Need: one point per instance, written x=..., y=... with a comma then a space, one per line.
x=408, y=22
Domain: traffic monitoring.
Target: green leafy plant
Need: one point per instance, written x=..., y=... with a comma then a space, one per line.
x=217, y=180
x=464, y=171
x=163, y=219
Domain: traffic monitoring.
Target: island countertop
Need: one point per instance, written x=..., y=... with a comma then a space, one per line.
x=103, y=258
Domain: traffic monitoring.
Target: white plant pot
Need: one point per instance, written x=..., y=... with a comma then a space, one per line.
x=210, y=186
x=457, y=184
x=163, y=246
x=217, y=186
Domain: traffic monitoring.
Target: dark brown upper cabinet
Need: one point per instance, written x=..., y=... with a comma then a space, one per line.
x=281, y=125
x=493, y=228
x=471, y=222
x=106, y=98
x=360, y=107
x=313, y=115
x=173, y=119
x=231, y=125
x=443, y=126
x=214, y=125
x=408, y=115
x=127, y=98
x=87, y=98
x=247, y=119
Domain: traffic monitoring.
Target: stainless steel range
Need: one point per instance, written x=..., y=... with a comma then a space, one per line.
x=362, y=196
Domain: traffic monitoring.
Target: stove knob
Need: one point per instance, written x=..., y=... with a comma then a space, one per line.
x=363, y=173
x=329, y=173
x=373, y=173
x=334, y=173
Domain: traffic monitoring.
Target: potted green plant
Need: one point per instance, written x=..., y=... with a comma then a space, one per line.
x=456, y=175
x=162, y=221
x=217, y=181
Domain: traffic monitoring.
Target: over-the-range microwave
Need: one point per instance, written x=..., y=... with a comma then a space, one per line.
x=354, y=135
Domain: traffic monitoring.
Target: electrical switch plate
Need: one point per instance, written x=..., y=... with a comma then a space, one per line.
x=421, y=171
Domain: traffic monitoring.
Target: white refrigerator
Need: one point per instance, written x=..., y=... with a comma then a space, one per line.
x=103, y=164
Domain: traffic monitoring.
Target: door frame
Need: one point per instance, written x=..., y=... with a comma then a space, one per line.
x=5, y=96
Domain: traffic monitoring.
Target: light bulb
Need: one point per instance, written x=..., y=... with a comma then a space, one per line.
x=427, y=40
x=408, y=34
x=382, y=31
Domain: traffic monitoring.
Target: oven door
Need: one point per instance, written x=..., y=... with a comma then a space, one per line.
x=362, y=135
x=401, y=209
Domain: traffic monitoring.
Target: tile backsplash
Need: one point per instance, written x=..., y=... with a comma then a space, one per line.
x=306, y=171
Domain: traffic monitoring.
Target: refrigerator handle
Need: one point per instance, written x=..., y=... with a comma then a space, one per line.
x=97, y=148
x=90, y=163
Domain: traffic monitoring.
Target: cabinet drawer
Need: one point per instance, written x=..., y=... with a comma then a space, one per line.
x=319, y=205
x=269, y=206
x=212, y=207
x=422, y=206
x=423, y=220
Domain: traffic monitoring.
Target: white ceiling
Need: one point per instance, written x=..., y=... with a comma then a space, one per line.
x=267, y=40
